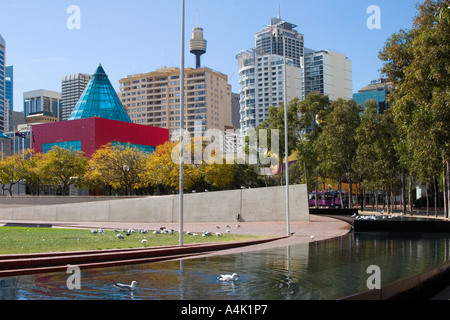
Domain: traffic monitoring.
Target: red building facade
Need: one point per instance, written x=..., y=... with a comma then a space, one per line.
x=90, y=134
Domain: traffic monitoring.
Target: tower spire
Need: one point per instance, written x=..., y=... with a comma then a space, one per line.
x=279, y=15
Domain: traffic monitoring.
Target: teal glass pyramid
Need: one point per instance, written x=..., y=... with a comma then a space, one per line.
x=99, y=99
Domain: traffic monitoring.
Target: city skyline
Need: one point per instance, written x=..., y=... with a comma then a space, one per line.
x=131, y=39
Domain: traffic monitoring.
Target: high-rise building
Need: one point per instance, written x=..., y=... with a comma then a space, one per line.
x=281, y=38
x=262, y=72
x=42, y=100
x=329, y=73
x=262, y=85
x=72, y=88
x=9, y=86
x=376, y=90
x=154, y=99
x=2, y=82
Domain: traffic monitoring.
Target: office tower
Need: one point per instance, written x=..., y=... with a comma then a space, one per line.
x=154, y=99
x=329, y=73
x=2, y=82
x=376, y=90
x=262, y=72
x=281, y=38
x=262, y=85
x=42, y=100
x=72, y=88
x=9, y=86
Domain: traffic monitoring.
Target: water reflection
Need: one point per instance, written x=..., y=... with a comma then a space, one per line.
x=329, y=269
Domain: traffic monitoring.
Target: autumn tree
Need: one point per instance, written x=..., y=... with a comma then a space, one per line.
x=62, y=167
x=8, y=173
x=119, y=167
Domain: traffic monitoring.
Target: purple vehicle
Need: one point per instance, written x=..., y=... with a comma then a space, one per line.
x=326, y=199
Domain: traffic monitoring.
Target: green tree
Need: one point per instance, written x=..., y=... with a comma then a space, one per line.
x=275, y=120
x=313, y=112
x=337, y=144
x=417, y=62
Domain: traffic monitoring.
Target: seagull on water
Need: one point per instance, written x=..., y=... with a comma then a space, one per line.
x=128, y=287
x=228, y=277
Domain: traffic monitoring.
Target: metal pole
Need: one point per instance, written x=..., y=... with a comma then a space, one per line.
x=286, y=148
x=182, y=123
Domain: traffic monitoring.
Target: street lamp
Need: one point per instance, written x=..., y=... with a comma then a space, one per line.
x=181, y=124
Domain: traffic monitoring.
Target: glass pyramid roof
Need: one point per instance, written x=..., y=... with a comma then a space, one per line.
x=99, y=99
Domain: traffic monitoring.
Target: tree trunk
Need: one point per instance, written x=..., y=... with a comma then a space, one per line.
x=317, y=188
x=410, y=195
x=448, y=188
x=428, y=200
x=376, y=200
x=444, y=191
x=435, y=197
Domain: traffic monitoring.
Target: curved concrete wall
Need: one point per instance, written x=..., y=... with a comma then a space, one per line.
x=261, y=204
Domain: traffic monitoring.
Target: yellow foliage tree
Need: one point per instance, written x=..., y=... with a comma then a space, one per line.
x=120, y=167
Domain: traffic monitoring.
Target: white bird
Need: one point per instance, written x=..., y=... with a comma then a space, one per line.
x=144, y=241
x=188, y=233
x=94, y=231
x=171, y=231
x=311, y=237
x=218, y=234
x=228, y=231
x=155, y=232
x=120, y=236
x=228, y=277
x=128, y=287
x=115, y=230
x=101, y=231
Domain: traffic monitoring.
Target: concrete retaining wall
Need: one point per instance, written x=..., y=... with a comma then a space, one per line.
x=261, y=204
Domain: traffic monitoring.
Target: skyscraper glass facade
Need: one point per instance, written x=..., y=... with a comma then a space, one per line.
x=378, y=91
x=99, y=99
x=9, y=86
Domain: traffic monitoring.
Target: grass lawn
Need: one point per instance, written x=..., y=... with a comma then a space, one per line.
x=15, y=240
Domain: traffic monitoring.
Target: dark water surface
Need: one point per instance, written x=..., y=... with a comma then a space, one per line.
x=325, y=270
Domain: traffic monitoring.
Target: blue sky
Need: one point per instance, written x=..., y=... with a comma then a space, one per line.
x=138, y=36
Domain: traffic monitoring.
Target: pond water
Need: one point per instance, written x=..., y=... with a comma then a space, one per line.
x=324, y=270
